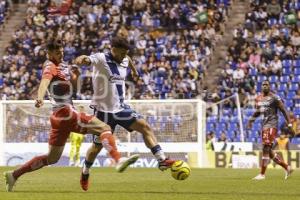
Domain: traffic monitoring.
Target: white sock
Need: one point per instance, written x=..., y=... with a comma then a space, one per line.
x=85, y=169
x=160, y=156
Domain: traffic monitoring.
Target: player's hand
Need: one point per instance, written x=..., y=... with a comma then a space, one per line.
x=135, y=75
x=82, y=60
x=39, y=103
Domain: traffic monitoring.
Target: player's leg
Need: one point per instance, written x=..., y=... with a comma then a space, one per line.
x=279, y=160
x=140, y=125
x=32, y=165
x=79, y=139
x=73, y=148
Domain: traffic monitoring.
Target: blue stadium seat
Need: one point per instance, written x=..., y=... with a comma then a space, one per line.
x=290, y=94
x=284, y=79
x=232, y=126
x=297, y=63
x=294, y=87
x=272, y=21
x=297, y=71
x=286, y=71
x=297, y=111
x=289, y=103
x=287, y=63
x=282, y=87
x=212, y=119
x=296, y=79
x=261, y=78
x=253, y=72
x=159, y=80
x=273, y=86
x=273, y=79
x=281, y=94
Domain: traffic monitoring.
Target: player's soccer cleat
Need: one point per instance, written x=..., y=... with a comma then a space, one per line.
x=259, y=177
x=84, y=181
x=165, y=164
x=125, y=162
x=288, y=172
x=9, y=180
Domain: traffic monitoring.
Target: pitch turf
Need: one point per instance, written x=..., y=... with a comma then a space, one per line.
x=137, y=184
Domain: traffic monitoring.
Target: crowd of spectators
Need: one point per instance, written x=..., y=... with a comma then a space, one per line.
x=265, y=46
x=172, y=43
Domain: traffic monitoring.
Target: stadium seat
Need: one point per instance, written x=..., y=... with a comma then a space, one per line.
x=284, y=79
x=272, y=21
x=291, y=94
x=273, y=79
x=294, y=87
x=282, y=87
x=287, y=63
x=261, y=78
x=297, y=63
x=273, y=86
x=286, y=71
x=289, y=103
x=297, y=71
x=296, y=79
x=253, y=72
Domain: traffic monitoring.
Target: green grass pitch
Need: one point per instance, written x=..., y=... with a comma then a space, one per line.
x=55, y=183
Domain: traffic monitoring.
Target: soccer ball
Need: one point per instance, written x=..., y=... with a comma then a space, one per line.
x=180, y=170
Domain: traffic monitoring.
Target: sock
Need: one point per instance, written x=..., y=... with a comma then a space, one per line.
x=264, y=165
x=86, y=167
x=109, y=143
x=158, y=153
x=278, y=160
x=32, y=165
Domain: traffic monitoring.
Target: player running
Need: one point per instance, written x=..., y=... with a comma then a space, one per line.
x=268, y=104
x=109, y=74
x=65, y=119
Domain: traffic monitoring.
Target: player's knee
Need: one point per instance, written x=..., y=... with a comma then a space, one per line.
x=53, y=160
x=146, y=128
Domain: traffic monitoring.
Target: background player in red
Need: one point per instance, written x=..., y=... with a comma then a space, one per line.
x=58, y=78
x=268, y=104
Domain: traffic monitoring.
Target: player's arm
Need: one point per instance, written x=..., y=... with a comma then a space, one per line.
x=83, y=60
x=286, y=117
x=41, y=92
x=134, y=72
x=93, y=59
x=253, y=118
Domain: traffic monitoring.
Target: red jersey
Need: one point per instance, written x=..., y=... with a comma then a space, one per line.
x=268, y=107
x=60, y=88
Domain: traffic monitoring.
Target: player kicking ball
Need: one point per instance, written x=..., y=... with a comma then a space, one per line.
x=268, y=104
x=58, y=78
x=109, y=74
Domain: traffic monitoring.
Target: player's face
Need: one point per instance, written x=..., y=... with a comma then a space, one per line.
x=119, y=54
x=266, y=87
x=56, y=55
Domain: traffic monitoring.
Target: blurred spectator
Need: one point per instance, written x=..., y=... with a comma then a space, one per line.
x=282, y=142
x=223, y=137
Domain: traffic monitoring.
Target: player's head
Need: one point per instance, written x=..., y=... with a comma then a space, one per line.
x=55, y=51
x=119, y=48
x=266, y=87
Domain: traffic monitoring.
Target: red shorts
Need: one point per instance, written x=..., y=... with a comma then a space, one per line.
x=64, y=121
x=268, y=136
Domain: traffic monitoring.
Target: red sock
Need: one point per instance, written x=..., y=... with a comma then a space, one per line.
x=278, y=160
x=264, y=165
x=109, y=143
x=32, y=165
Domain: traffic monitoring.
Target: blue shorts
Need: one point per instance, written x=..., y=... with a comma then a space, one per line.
x=124, y=118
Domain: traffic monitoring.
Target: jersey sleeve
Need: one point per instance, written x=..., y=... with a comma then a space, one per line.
x=49, y=71
x=97, y=58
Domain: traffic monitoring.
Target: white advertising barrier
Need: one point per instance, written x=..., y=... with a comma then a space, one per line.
x=233, y=146
x=244, y=161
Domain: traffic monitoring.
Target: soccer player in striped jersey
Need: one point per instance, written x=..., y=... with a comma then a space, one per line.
x=57, y=79
x=268, y=104
x=109, y=74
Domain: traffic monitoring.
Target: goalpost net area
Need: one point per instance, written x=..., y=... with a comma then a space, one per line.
x=179, y=126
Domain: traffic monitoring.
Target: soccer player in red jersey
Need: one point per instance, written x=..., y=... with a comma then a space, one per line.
x=57, y=78
x=268, y=104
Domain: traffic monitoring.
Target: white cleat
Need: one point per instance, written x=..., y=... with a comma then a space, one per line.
x=9, y=180
x=259, y=177
x=288, y=172
x=124, y=162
